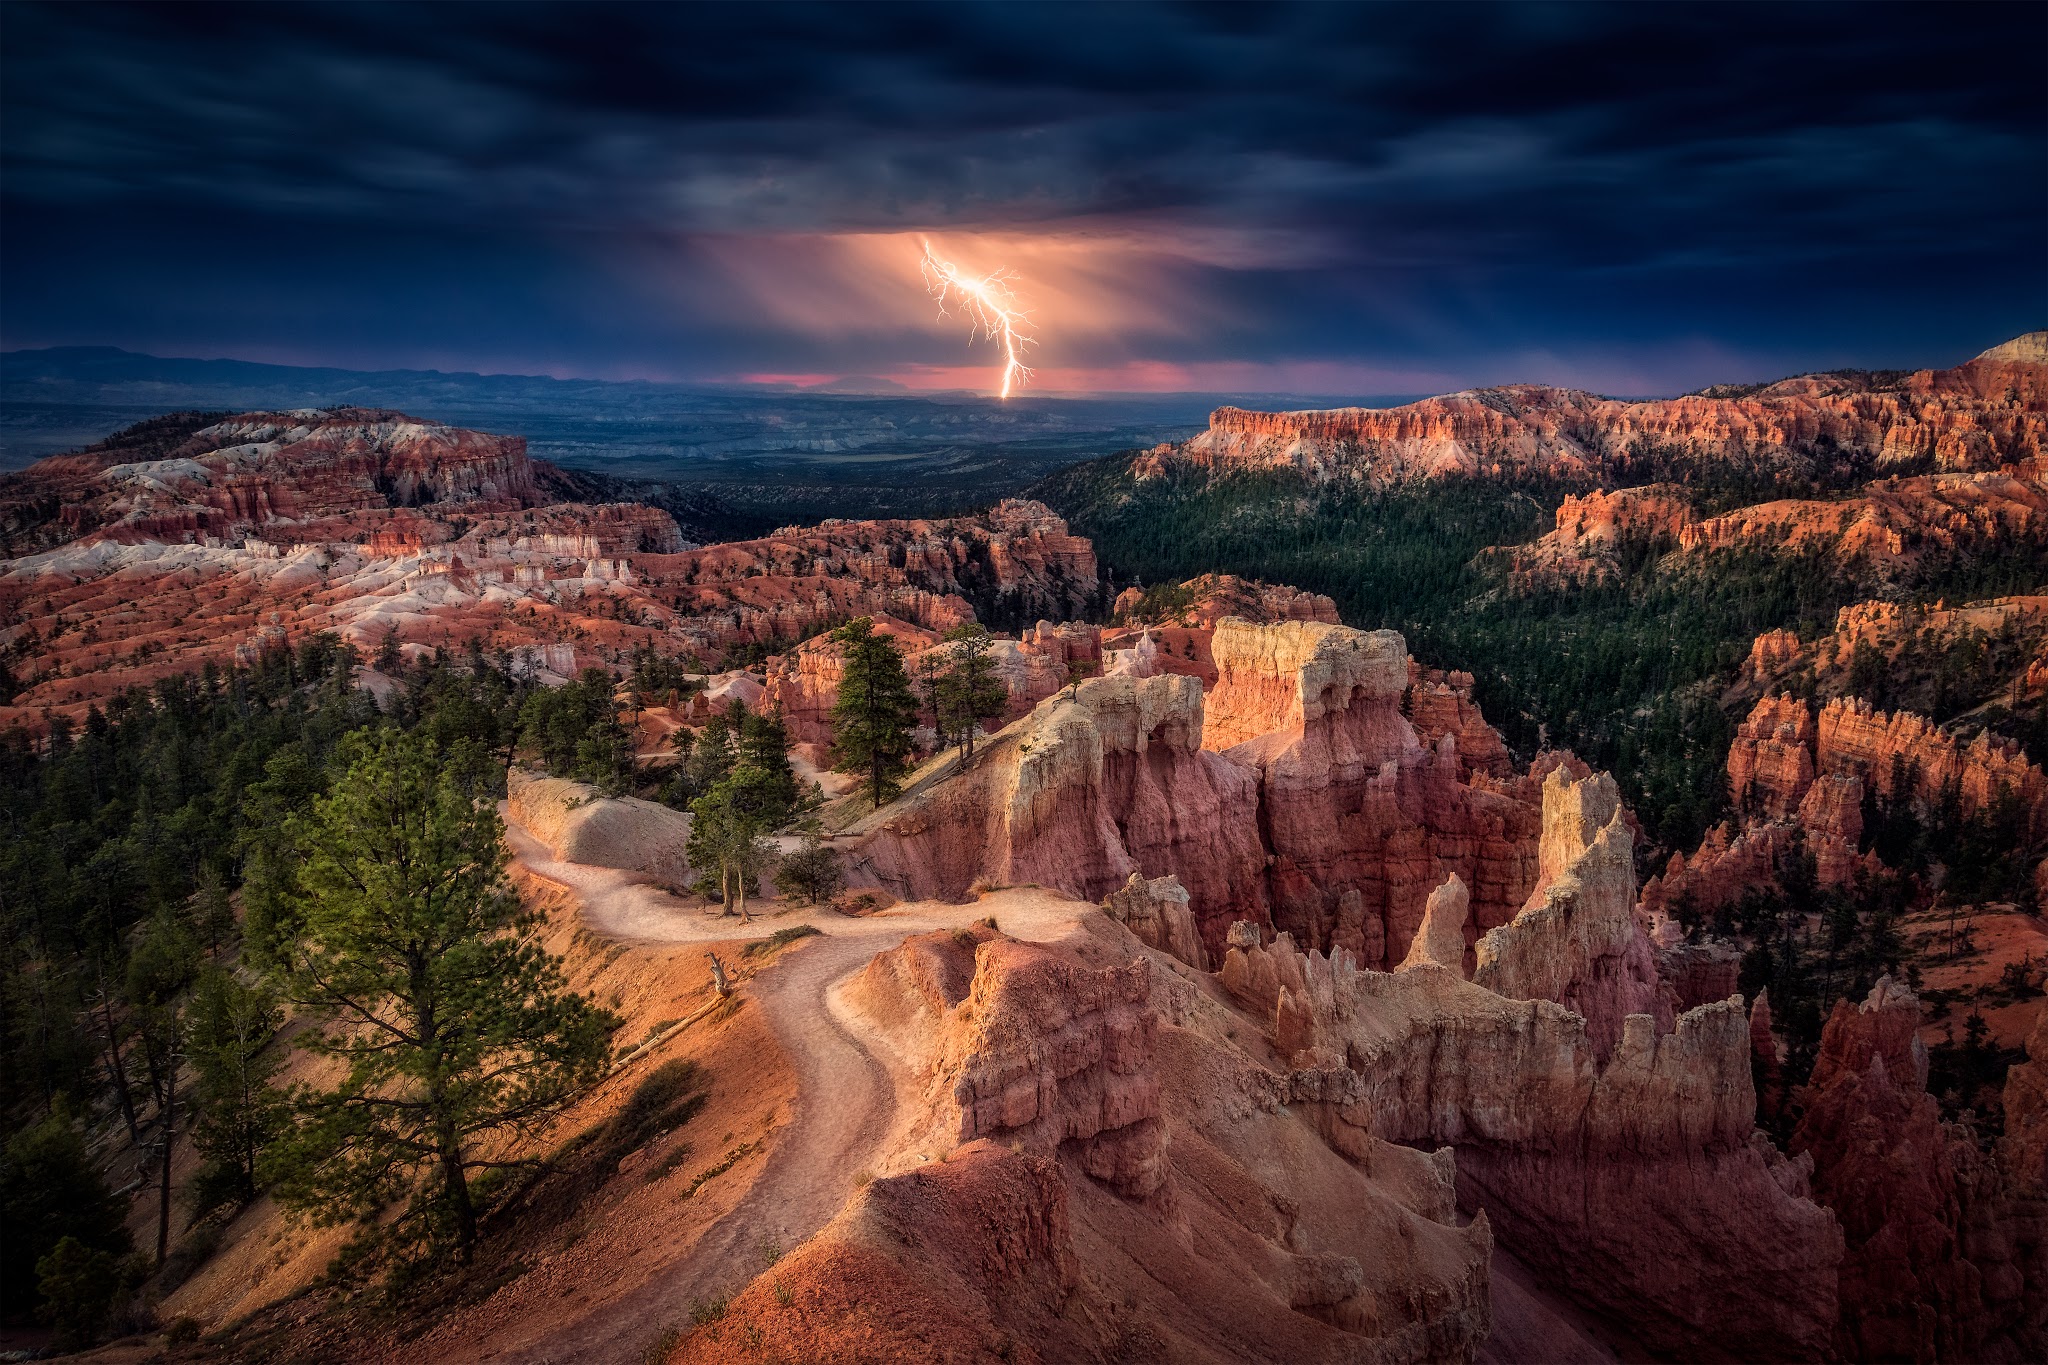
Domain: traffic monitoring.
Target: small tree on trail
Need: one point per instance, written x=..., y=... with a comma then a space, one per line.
x=433, y=992
x=875, y=713
x=731, y=821
x=969, y=691
x=812, y=872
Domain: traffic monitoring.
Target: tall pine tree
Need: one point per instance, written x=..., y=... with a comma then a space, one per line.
x=969, y=691
x=876, y=710
x=450, y=1019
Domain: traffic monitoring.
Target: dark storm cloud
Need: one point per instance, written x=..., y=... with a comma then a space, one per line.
x=1471, y=186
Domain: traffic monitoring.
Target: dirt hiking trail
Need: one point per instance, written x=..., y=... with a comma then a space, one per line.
x=850, y=1098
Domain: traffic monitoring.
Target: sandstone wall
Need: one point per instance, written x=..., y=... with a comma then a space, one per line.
x=1595, y=1174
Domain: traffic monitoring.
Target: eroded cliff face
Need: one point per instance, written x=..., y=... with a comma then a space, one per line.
x=1944, y=1250
x=1099, y=782
x=789, y=586
x=1594, y=528
x=1885, y=528
x=1362, y=820
x=1295, y=795
x=1585, y=1110
x=1905, y=757
x=1977, y=416
x=1205, y=600
x=1592, y=1167
x=138, y=599
x=1577, y=941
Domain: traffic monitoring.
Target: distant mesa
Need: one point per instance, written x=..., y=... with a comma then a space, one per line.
x=1988, y=412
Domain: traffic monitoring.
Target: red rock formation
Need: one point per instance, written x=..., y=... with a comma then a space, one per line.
x=1891, y=630
x=1592, y=529
x=1157, y=914
x=1323, y=804
x=1439, y=704
x=1207, y=599
x=1801, y=781
x=1929, y=1272
x=1361, y=819
x=801, y=580
x=2024, y=1149
x=1576, y=941
x=804, y=683
x=1600, y=1170
x=1054, y=1055
x=1892, y=522
x=1213, y=1220
x=1991, y=411
x=1094, y=785
x=264, y=467
x=1767, y=1067
x=868, y=1288
x=1770, y=762
x=526, y=579
x=1855, y=739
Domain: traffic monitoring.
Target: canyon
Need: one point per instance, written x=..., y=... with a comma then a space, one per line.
x=1244, y=996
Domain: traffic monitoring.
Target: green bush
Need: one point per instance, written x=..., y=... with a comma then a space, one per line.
x=79, y=1285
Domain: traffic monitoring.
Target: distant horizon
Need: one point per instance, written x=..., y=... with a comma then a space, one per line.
x=840, y=385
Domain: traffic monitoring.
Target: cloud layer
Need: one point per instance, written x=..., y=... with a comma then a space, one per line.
x=1322, y=198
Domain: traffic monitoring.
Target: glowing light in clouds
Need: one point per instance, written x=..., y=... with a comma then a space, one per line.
x=991, y=306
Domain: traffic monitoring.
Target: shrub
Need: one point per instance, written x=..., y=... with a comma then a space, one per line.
x=812, y=873
x=781, y=938
x=78, y=1285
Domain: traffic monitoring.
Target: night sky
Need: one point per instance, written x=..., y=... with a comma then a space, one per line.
x=1634, y=199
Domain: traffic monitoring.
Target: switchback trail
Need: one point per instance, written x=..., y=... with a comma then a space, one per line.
x=847, y=1096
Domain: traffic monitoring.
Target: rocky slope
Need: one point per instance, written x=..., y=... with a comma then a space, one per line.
x=1977, y=416
x=1930, y=657
x=1259, y=1127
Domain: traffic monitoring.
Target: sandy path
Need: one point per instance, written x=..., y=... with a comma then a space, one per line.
x=848, y=1098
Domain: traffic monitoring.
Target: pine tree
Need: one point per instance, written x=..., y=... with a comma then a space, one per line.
x=732, y=820
x=163, y=965
x=875, y=713
x=238, y=1111
x=50, y=1191
x=969, y=691
x=434, y=992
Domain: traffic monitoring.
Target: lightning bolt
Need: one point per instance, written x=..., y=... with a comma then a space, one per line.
x=989, y=304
